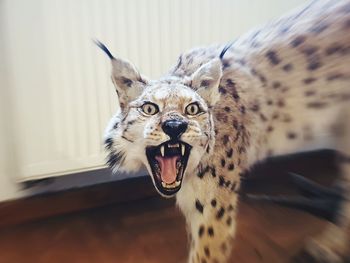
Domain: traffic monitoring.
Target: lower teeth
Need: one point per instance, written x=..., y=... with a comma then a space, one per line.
x=173, y=185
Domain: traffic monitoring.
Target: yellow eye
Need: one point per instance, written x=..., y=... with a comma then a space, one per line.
x=150, y=108
x=192, y=109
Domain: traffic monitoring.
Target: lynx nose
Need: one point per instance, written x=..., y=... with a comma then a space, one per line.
x=174, y=128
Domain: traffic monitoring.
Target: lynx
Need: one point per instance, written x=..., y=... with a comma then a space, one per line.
x=279, y=89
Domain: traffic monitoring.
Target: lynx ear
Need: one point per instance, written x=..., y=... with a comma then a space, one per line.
x=206, y=81
x=127, y=80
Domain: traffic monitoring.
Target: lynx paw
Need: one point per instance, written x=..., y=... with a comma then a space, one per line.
x=315, y=253
x=328, y=248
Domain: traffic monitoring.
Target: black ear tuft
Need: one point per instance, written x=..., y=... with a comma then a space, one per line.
x=104, y=48
x=227, y=47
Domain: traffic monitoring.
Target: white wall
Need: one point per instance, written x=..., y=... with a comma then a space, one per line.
x=56, y=96
x=8, y=187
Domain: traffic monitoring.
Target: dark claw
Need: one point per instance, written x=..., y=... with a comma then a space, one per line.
x=303, y=257
x=309, y=188
x=316, y=199
x=326, y=209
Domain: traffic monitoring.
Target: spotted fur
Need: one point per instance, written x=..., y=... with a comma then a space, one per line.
x=277, y=90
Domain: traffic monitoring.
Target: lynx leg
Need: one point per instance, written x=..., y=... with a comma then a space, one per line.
x=333, y=245
x=212, y=235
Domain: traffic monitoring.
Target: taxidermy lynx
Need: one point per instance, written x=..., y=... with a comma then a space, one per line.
x=280, y=89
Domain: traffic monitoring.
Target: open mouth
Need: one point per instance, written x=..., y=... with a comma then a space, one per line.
x=168, y=163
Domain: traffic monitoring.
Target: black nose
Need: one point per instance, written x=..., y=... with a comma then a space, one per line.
x=174, y=128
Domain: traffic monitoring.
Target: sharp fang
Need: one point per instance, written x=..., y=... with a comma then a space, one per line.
x=182, y=149
x=178, y=164
x=162, y=150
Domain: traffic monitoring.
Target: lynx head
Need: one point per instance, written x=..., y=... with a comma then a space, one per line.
x=165, y=125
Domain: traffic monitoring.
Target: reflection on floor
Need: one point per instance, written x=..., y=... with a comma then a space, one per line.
x=153, y=230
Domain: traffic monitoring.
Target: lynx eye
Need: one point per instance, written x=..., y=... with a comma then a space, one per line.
x=150, y=108
x=192, y=109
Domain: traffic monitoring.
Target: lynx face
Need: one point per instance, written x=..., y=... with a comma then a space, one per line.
x=164, y=125
x=167, y=129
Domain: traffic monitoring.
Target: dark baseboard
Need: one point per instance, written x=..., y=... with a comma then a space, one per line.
x=52, y=204
x=314, y=165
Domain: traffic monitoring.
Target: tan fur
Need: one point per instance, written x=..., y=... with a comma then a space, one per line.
x=283, y=88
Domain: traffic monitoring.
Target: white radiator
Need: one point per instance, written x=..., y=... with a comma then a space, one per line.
x=60, y=92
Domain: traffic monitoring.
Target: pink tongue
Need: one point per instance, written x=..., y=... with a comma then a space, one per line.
x=168, y=168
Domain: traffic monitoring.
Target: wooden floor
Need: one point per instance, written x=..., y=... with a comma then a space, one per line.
x=153, y=230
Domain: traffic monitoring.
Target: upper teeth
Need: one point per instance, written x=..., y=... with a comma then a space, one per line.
x=177, y=145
